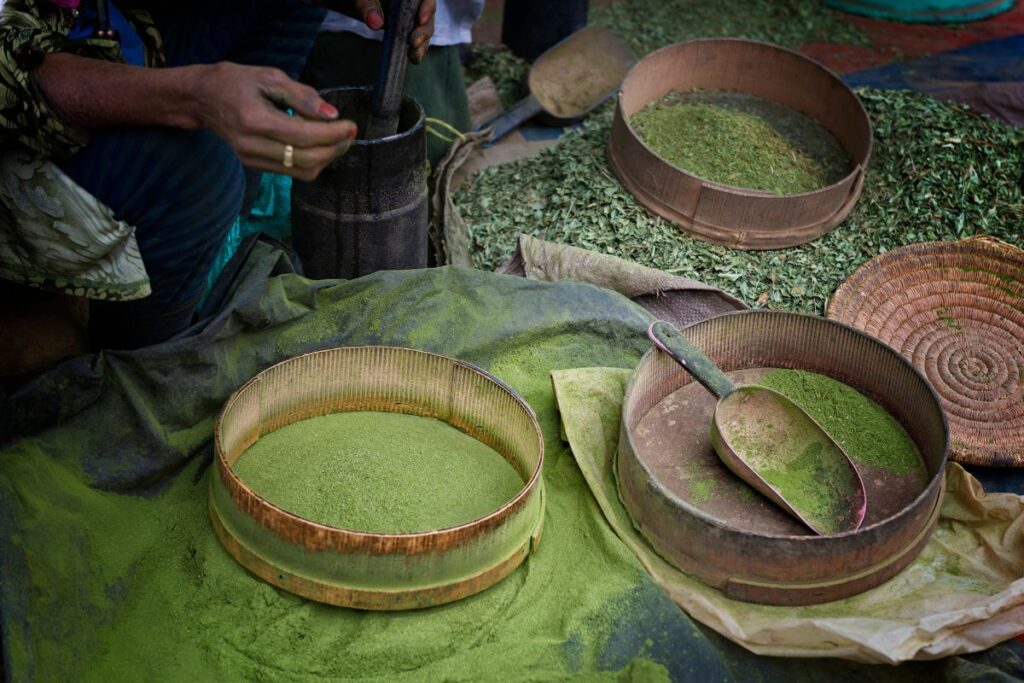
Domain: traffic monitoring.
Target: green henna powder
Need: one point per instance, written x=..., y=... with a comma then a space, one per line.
x=380, y=472
x=703, y=490
x=718, y=142
x=810, y=474
x=816, y=486
x=863, y=428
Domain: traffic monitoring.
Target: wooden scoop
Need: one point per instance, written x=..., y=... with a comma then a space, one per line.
x=569, y=80
x=769, y=442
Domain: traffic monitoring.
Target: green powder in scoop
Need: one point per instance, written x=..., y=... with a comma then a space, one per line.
x=813, y=476
x=864, y=429
x=817, y=485
x=379, y=472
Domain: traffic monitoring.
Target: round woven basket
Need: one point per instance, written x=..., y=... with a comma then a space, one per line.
x=956, y=311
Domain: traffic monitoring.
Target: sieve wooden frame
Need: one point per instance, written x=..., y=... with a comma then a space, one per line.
x=738, y=217
x=784, y=569
x=956, y=311
x=370, y=570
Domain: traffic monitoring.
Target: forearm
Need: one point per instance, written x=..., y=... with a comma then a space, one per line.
x=243, y=105
x=92, y=93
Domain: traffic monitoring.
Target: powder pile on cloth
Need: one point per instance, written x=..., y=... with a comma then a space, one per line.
x=111, y=565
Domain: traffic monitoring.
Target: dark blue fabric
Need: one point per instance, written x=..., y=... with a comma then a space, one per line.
x=182, y=190
x=277, y=33
x=994, y=61
x=923, y=11
x=132, y=49
x=1000, y=479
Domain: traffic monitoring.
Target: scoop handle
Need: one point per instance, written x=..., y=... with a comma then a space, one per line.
x=666, y=337
x=524, y=110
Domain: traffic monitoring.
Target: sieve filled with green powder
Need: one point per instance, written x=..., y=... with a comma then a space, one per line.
x=739, y=142
x=378, y=478
x=707, y=522
x=743, y=141
x=378, y=472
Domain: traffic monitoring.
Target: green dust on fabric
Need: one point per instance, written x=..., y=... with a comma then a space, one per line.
x=110, y=585
x=727, y=146
x=382, y=472
x=862, y=427
x=644, y=671
x=104, y=586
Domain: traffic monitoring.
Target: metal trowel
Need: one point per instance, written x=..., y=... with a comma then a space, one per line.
x=569, y=80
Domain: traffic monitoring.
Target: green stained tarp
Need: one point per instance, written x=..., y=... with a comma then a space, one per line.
x=110, y=570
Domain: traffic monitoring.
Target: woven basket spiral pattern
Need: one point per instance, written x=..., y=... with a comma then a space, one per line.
x=956, y=311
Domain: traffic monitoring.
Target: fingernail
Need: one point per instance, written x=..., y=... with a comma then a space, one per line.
x=328, y=111
x=374, y=19
x=352, y=133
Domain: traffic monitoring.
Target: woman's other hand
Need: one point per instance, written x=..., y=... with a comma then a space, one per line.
x=371, y=13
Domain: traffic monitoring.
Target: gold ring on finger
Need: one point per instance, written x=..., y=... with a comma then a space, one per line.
x=289, y=156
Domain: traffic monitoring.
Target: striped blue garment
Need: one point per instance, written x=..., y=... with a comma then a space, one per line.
x=183, y=190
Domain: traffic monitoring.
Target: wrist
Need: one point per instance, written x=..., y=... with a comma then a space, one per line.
x=191, y=87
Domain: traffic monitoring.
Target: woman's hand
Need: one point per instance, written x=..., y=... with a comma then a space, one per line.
x=234, y=101
x=370, y=12
x=237, y=103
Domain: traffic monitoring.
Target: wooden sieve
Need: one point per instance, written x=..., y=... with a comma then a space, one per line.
x=373, y=570
x=733, y=216
x=743, y=544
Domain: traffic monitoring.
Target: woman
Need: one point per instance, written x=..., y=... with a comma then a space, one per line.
x=126, y=126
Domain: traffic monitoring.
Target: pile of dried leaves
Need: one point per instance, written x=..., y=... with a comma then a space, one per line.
x=939, y=171
x=506, y=70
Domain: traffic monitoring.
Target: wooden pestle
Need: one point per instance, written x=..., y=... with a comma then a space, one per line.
x=394, y=60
